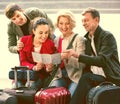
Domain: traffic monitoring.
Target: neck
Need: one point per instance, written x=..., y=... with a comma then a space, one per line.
x=36, y=43
x=67, y=35
x=91, y=33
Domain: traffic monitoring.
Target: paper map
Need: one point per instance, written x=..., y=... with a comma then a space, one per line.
x=47, y=58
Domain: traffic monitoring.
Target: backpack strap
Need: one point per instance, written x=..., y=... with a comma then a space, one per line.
x=71, y=42
x=48, y=80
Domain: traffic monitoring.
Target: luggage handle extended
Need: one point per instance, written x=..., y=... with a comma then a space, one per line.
x=15, y=73
x=106, y=83
x=20, y=67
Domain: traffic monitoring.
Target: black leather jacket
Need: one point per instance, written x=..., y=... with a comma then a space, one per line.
x=107, y=55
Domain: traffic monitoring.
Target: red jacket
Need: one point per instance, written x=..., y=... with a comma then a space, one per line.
x=26, y=53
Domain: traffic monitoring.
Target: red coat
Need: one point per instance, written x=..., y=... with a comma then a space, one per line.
x=26, y=53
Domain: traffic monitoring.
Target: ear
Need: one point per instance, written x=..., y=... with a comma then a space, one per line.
x=97, y=19
x=33, y=31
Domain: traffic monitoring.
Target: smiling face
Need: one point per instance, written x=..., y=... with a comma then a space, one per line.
x=41, y=33
x=19, y=18
x=64, y=25
x=90, y=23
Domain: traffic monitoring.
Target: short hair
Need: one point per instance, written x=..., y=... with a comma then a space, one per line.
x=68, y=14
x=10, y=10
x=94, y=12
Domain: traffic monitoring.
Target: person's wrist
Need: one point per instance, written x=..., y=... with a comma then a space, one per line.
x=34, y=68
x=49, y=69
x=76, y=55
x=15, y=48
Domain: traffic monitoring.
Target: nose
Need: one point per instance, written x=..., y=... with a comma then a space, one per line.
x=44, y=35
x=64, y=25
x=17, y=20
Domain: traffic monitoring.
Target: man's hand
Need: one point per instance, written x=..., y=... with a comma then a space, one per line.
x=71, y=52
x=20, y=45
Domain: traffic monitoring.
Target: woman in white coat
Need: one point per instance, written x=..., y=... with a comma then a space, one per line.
x=71, y=69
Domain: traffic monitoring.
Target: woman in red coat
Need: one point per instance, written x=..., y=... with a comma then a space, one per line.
x=39, y=42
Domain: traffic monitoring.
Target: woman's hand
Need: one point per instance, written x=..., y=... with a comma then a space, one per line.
x=64, y=56
x=38, y=66
x=49, y=67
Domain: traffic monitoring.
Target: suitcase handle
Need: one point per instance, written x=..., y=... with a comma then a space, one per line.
x=106, y=83
x=20, y=67
x=19, y=91
x=28, y=75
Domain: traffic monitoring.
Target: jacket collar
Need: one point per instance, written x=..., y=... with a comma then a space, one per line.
x=96, y=33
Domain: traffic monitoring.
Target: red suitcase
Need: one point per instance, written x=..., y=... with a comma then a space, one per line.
x=53, y=95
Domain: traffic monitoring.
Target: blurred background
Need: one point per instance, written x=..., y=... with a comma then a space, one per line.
x=110, y=20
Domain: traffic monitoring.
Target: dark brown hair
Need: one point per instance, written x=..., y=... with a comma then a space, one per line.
x=10, y=10
x=93, y=11
x=40, y=21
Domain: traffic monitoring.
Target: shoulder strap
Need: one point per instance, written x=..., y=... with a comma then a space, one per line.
x=71, y=42
x=48, y=80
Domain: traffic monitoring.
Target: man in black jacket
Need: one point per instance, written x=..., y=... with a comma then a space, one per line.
x=101, y=58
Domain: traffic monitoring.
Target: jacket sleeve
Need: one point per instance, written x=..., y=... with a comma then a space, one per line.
x=12, y=39
x=25, y=55
x=23, y=60
x=107, y=49
x=34, y=12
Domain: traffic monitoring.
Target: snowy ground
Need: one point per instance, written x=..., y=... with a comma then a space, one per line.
x=109, y=22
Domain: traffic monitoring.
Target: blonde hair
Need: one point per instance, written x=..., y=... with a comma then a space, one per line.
x=68, y=14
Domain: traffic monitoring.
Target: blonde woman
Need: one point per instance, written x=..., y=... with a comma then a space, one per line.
x=70, y=67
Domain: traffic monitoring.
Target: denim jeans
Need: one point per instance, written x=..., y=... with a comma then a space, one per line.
x=61, y=82
x=72, y=86
x=36, y=84
x=69, y=84
x=19, y=84
x=58, y=82
x=86, y=82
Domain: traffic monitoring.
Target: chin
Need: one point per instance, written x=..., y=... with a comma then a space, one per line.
x=21, y=24
x=42, y=41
